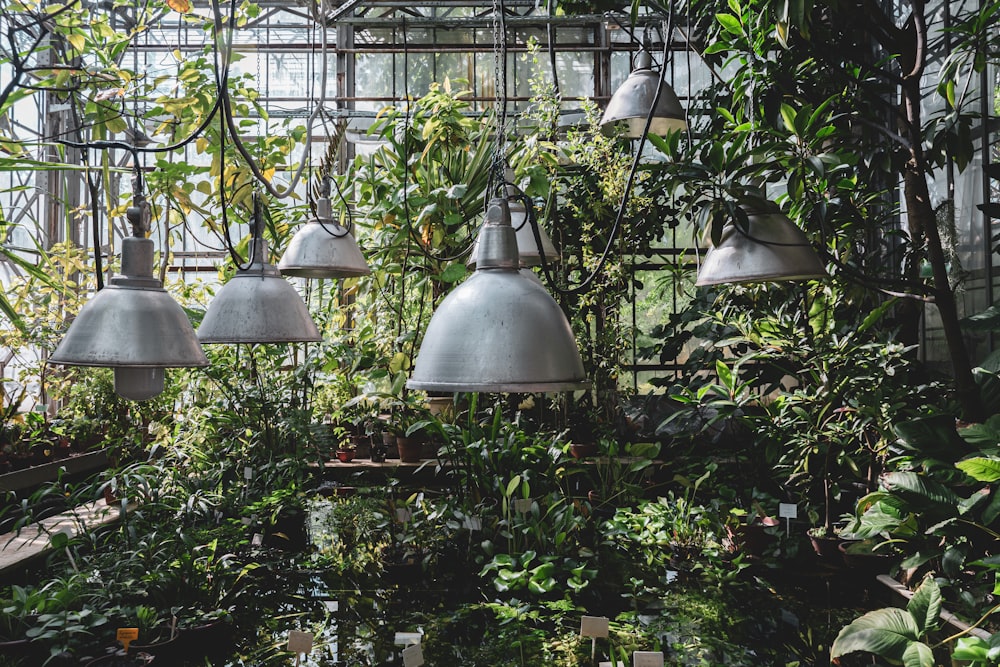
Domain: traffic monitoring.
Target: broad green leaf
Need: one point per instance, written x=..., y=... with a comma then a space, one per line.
x=885, y=632
x=932, y=436
x=971, y=649
x=453, y=272
x=77, y=40
x=730, y=23
x=788, y=117
x=925, y=605
x=725, y=375
x=981, y=468
x=876, y=315
x=512, y=485
x=917, y=488
x=399, y=362
x=918, y=654
x=986, y=434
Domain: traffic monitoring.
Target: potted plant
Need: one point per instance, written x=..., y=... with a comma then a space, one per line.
x=408, y=421
x=346, y=452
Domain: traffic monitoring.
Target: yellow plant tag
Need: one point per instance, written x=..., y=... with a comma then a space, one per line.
x=126, y=636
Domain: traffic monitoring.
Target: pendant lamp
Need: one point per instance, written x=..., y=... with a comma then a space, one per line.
x=499, y=331
x=768, y=248
x=323, y=249
x=528, y=251
x=630, y=105
x=257, y=305
x=132, y=325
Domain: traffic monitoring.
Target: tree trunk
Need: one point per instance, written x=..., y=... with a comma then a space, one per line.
x=922, y=224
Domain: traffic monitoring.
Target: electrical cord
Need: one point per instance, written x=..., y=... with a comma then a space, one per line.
x=586, y=284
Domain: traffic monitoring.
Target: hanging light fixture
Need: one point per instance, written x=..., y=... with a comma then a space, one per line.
x=257, y=305
x=528, y=250
x=642, y=91
x=323, y=249
x=499, y=331
x=133, y=325
x=767, y=247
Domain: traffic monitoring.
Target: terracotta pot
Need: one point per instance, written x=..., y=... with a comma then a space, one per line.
x=345, y=455
x=582, y=450
x=410, y=450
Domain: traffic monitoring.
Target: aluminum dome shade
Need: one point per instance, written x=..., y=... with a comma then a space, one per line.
x=630, y=104
x=771, y=249
x=499, y=331
x=132, y=323
x=257, y=305
x=323, y=249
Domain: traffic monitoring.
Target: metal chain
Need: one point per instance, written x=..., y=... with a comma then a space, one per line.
x=500, y=93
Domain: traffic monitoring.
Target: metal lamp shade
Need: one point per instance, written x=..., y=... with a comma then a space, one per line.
x=323, y=249
x=499, y=331
x=134, y=326
x=629, y=106
x=258, y=306
x=770, y=249
x=528, y=251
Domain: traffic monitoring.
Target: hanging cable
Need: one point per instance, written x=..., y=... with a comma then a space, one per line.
x=227, y=112
x=586, y=284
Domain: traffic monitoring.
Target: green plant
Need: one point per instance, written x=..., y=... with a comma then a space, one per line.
x=673, y=532
x=940, y=504
x=900, y=636
x=17, y=609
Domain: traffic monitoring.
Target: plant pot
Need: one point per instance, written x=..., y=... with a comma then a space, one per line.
x=210, y=638
x=166, y=649
x=345, y=455
x=582, y=450
x=410, y=450
x=389, y=445
x=362, y=447
x=753, y=538
x=827, y=548
x=869, y=563
x=118, y=659
x=23, y=649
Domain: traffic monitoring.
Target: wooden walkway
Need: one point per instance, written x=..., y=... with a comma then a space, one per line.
x=32, y=540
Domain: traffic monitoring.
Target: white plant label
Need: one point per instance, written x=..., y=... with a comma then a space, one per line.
x=403, y=514
x=248, y=473
x=257, y=540
x=413, y=656
x=594, y=626
x=407, y=638
x=522, y=505
x=472, y=523
x=788, y=510
x=332, y=605
x=300, y=642
x=647, y=659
